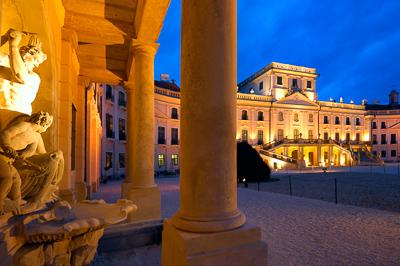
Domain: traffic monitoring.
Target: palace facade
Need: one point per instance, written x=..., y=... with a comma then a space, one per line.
x=279, y=113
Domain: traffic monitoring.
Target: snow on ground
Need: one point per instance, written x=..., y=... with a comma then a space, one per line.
x=298, y=231
x=377, y=190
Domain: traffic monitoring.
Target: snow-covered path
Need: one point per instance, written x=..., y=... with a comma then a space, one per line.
x=301, y=231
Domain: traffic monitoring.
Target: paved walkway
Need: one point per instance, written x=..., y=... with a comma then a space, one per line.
x=298, y=231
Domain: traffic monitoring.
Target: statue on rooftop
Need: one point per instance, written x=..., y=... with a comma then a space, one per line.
x=19, y=84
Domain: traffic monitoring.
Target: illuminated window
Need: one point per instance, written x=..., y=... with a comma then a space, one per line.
x=174, y=159
x=296, y=117
x=121, y=160
x=109, y=160
x=121, y=129
x=280, y=134
x=310, y=134
x=279, y=81
x=280, y=116
x=244, y=115
x=161, y=160
x=109, y=126
x=310, y=118
x=244, y=135
x=260, y=116
x=296, y=134
x=174, y=113
x=260, y=137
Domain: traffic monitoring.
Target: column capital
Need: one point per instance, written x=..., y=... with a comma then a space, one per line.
x=141, y=47
x=70, y=36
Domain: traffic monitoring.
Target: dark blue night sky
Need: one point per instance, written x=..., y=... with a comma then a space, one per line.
x=355, y=45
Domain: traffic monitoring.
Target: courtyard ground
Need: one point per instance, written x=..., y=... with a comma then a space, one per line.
x=298, y=231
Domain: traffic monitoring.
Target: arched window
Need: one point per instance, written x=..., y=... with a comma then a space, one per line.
x=358, y=122
x=296, y=117
x=337, y=120
x=244, y=115
x=280, y=116
x=174, y=113
x=348, y=121
x=260, y=116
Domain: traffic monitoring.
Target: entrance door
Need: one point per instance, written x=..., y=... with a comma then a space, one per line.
x=295, y=154
x=311, y=158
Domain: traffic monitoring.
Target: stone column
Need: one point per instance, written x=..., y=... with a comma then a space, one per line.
x=208, y=193
x=139, y=185
x=319, y=154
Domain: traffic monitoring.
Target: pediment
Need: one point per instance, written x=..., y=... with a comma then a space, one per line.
x=298, y=99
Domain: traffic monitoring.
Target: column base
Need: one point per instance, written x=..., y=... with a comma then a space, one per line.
x=209, y=225
x=80, y=191
x=148, y=201
x=242, y=246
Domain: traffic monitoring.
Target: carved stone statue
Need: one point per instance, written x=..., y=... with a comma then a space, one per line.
x=18, y=83
x=27, y=171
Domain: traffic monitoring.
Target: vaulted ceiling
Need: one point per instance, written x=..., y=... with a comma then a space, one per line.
x=105, y=29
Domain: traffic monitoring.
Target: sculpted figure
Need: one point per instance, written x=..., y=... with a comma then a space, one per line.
x=18, y=83
x=30, y=172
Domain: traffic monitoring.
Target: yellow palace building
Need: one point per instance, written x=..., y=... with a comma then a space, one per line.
x=279, y=111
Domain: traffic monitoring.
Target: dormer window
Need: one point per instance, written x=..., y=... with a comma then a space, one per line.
x=309, y=86
x=261, y=86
